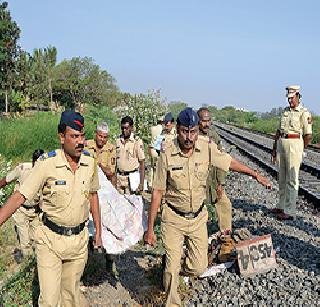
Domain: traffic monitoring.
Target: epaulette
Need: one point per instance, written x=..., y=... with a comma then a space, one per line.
x=45, y=156
x=52, y=154
x=87, y=153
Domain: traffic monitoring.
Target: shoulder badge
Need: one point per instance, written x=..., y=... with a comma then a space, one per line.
x=51, y=154
x=46, y=155
x=309, y=120
x=87, y=153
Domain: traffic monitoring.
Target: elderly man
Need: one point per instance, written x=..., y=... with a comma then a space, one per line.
x=68, y=181
x=181, y=176
x=292, y=137
x=103, y=151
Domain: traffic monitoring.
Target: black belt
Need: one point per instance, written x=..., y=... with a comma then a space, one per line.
x=62, y=230
x=188, y=215
x=28, y=207
x=126, y=173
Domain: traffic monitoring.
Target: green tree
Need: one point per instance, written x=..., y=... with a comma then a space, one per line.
x=145, y=109
x=9, y=35
x=175, y=107
x=80, y=80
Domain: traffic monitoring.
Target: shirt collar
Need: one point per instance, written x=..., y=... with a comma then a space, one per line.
x=62, y=160
x=131, y=138
x=298, y=108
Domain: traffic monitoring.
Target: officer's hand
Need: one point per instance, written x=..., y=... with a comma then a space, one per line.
x=263, y=180
x=149, y=238
x=140, y=188
x=97, y=242
x=219, y=191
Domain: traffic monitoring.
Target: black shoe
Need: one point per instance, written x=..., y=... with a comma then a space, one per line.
x=18, y=255
x=276, y=210
x=285, y=217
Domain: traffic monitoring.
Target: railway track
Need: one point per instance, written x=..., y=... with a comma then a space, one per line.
x=259, y=147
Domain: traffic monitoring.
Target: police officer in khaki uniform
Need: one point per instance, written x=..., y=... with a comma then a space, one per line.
x=129, y=157
x=25, y=217
x=168, y=124
x=103, y=151
x=169, y=130
x=215, y=190
x=181, y=176
x=292, y=137
x=68, y=181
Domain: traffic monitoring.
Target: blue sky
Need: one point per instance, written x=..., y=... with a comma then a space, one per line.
x=240, y=53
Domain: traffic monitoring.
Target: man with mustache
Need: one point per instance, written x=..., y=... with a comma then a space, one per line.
x=181, y=176
x=215, y=190
x=293, y=136
x=68, y=181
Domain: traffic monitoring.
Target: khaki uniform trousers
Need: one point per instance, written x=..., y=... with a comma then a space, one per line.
x=26, y=221
x=223, y=206
x=224, y=213
x=123, y=186
x=175, y=231
x=289, y=161
x=60, y=261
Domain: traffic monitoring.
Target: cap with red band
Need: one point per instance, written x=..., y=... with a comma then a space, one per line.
x=72, y=119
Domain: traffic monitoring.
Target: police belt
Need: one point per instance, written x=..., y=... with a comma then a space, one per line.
x=29, y=207
x=290, y=136
x=126, y=173
x=188, y=215
x=62, y=230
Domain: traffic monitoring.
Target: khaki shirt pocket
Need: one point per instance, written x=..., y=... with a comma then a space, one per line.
x=201, y=171
x=60, y=194
x=284, y=122
x=178, y=177
x=295, y=123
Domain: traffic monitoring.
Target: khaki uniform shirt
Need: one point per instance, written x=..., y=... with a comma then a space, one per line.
x=65, y=194
x=105, y=155
x=19, y=175
x=218, y=174
x=214, y=136
x=171, y=135
x=294, y=121
x=129, y=153
x=184, y=178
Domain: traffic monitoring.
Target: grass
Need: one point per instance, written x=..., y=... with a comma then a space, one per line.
x=22, y=288
x=21, y=136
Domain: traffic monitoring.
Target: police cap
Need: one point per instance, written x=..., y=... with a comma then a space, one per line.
x=188, y=118
x=72, y=119
x=292, y=90
x=168, y=118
